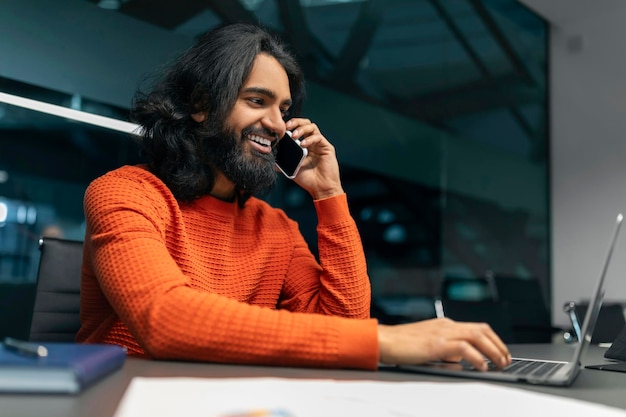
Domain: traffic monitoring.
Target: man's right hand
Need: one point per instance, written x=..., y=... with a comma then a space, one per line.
x=441, y=339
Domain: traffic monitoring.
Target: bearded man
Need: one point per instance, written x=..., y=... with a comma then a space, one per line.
x=184, y=261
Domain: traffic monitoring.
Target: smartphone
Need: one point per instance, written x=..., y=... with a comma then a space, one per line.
x=290, y=156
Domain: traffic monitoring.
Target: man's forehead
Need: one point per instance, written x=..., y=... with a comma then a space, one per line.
x=268, y=77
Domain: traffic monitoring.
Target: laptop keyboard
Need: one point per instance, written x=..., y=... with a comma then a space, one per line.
x=528, y=367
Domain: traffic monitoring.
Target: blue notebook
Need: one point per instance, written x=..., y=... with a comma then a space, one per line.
x=67, y=368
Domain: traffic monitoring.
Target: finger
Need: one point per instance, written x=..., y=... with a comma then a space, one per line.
x=296, y=121
x=312, y=139
x=502, y=349
x=296, y=125
x=464, y=350
x=483, y=338
x=306, y=131
x=501, y=355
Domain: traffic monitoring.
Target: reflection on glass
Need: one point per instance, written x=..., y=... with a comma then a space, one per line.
x=46, y=162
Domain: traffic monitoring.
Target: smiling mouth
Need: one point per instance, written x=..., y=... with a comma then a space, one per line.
x=260, y=143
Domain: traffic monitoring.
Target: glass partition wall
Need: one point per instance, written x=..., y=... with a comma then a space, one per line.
x=437, y=109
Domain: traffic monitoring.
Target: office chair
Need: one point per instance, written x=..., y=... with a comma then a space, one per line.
x=57, y=296
x=530, y=316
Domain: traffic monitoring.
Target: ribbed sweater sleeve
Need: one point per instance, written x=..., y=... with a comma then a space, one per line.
x=340, y=286
x=210, y=281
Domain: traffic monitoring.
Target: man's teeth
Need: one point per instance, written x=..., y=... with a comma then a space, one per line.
x=261, y=140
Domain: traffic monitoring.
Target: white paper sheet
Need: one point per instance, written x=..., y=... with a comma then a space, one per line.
x=275, y=397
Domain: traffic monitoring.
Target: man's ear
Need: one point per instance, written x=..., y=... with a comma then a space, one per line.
x=199, y=117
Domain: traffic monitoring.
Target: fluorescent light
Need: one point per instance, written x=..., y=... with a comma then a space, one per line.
x=81, y=116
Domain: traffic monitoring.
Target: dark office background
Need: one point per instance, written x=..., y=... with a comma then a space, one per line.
x=438, y=109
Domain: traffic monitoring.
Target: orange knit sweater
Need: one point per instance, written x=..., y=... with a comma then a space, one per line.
x=210, y=281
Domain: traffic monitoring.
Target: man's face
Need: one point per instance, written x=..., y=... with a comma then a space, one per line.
x=244, y=153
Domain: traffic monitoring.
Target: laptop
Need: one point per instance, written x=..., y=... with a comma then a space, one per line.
x=535, y=371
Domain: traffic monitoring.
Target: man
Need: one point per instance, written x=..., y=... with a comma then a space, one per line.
x=183, y=262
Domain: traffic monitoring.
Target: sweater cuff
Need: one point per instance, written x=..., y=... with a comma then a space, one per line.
x=358, y=344
x=332, y=210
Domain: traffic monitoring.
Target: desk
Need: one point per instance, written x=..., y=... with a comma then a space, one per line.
x=101, y=400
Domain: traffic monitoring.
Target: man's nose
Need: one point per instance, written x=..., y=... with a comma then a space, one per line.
x=274, y=121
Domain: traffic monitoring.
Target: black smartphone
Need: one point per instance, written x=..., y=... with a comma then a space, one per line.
x=290, y=156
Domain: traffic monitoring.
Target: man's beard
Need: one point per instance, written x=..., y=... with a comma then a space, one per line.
x=252, y=172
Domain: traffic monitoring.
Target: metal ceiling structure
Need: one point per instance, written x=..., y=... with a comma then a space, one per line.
x=432, y=60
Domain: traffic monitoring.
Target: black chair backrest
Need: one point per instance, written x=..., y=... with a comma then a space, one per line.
x=530, y=315
x=57, y=296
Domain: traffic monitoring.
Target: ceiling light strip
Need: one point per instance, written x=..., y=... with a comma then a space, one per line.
x=60, y=111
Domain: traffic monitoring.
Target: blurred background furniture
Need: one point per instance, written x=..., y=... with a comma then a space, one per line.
x=56, y=307
x=514, y=307
x=609, y=323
